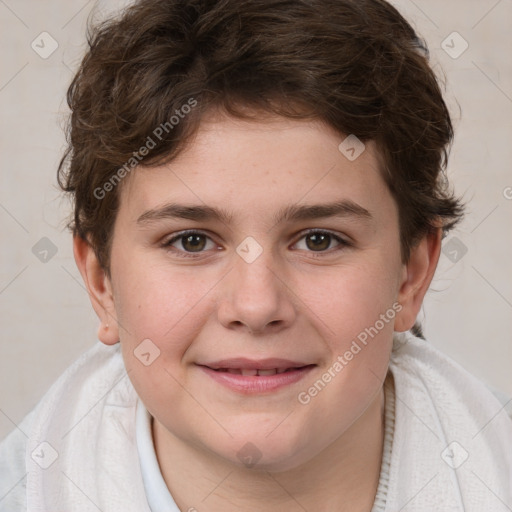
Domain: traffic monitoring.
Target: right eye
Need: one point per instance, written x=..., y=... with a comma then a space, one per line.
x=189, y=243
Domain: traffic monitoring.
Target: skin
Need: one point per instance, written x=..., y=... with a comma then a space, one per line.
x=296, y=301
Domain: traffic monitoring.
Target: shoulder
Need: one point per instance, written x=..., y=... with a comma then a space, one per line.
x=503, y=399
x=13, y=473
x=422, y=360
x=97, y=366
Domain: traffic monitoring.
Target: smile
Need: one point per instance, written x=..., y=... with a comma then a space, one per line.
x=257, y=380
x=248, y=372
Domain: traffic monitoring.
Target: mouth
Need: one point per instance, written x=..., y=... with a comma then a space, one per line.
x=252, y=373
x=250, y=377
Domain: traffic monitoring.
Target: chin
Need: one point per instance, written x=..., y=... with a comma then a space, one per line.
x=257, y=451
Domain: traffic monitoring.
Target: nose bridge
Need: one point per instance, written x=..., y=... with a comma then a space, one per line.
x=257, y=276
x=254, y=262
x=254, y=297
x=255, y=282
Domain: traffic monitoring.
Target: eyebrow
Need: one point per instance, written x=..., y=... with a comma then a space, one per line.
x=344, y=209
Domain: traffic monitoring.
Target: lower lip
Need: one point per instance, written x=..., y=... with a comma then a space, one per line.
x=250, y=384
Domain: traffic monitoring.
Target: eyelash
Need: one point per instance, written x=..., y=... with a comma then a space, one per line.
x=317, y=254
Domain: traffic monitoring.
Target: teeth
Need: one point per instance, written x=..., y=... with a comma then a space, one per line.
x=249, y=372
x=252, y=373
x=272, y=371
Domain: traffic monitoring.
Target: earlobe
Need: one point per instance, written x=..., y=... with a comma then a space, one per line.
x=99, y=288
x=416, y=278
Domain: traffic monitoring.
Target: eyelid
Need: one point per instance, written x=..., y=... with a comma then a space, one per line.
x=185, y=232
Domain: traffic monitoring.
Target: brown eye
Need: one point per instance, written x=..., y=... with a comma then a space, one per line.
x=188, y=243
x=193, y=243
x=320, y=241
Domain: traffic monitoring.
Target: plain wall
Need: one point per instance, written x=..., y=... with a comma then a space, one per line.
x=46, y=318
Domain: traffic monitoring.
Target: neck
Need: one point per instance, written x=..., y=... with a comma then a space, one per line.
x=342, y=478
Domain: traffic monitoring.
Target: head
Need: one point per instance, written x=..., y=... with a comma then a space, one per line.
x=231, y=121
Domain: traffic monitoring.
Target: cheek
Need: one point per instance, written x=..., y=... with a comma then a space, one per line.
x=351, y=298
x=354, y=309
x=160, y=314
x=357, y=312
x=153, y=302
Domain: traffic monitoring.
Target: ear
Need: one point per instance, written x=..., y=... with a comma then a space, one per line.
x=99, y=288
x=417, y=275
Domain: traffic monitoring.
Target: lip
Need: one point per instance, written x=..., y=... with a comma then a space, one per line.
x=257, y=384
x=254, y=364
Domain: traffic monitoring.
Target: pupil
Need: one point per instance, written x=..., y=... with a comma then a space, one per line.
x=195, y=243
x=319, y=241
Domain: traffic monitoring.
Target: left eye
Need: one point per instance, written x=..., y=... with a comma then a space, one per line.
x=320, y=241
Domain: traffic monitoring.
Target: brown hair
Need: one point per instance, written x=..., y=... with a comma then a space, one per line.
x=355, y=64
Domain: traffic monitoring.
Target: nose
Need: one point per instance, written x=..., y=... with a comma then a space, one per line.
x=255, y=298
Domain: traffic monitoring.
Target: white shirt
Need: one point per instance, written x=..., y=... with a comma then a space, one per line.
x=158, y=495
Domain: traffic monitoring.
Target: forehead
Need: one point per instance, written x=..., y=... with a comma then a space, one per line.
x=250, y=167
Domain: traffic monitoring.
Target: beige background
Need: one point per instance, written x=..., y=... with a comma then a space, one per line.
x=46, y=319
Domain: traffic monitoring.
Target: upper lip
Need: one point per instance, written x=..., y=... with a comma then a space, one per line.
x=253, y=364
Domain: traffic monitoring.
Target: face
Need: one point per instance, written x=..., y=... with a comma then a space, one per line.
x=260, y=248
